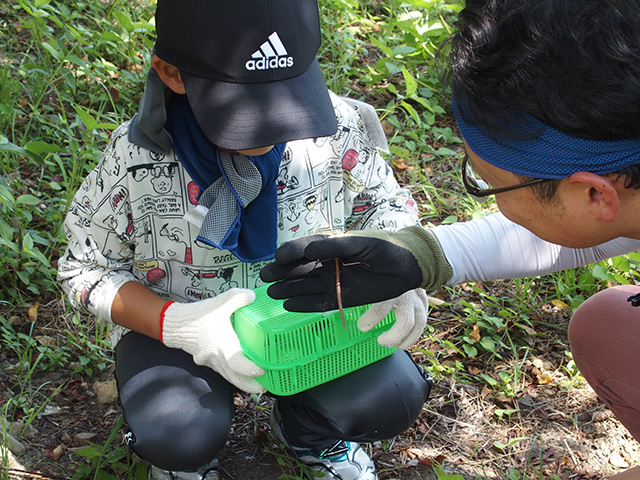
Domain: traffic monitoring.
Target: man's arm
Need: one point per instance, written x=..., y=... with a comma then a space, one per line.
x=381, y=265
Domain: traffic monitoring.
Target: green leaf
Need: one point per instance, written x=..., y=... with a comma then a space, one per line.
x=6, y=232
x=28, y=199
x=89, y=122
x=51, y=47
x=386, y=50
x=7, y=146
x=503, y=446
x=392, y=67
x=471, y=351
x=490, y=380
x=111, y=37
x=500, y=412
x=142, y=472
x=442, y=475
x=411, y=111
x=601, y=273
x=446, y=152
x=23, y=277
x=488, y=344
x=409, y=82
x=102, y=475
x=27, y=242
x=41, y=147
x=124, y=20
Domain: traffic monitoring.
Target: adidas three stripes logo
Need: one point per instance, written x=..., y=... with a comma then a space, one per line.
x=271, y=54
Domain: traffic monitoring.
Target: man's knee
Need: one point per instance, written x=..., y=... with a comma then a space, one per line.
x=600, y=317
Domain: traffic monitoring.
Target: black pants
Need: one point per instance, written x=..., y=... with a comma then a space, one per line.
x=180, y=413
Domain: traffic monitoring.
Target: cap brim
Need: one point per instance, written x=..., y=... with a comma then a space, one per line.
x=243, y=116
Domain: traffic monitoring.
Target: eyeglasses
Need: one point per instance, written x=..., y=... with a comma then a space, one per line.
x=478, y=188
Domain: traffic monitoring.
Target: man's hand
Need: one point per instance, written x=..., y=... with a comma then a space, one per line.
x=375, y=265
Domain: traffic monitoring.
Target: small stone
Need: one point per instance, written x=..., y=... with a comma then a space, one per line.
x=15, y=446
x=106, y=392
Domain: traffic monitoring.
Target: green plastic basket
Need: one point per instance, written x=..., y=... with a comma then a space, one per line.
x=299, y=351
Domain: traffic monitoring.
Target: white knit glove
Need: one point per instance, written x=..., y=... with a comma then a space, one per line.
x=411, y=309
x=204, y=330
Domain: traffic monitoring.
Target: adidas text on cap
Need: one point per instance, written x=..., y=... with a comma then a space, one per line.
x=249, y=68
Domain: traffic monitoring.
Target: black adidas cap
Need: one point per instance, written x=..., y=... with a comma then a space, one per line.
x=249, y=68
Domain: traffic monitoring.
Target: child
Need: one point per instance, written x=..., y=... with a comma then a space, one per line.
x=237, y=147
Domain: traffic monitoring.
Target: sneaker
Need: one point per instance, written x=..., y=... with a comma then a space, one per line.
x=341, y=461
x=209, y=472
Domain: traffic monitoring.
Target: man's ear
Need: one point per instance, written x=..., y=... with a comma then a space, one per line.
x=599, y=192
x=169, y=74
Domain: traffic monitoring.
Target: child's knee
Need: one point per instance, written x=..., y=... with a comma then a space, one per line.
x=186, y=448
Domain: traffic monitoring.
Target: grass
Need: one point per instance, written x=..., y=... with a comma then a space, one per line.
x=72, y=71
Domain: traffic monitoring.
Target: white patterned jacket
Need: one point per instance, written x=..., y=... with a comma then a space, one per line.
x=126, y=220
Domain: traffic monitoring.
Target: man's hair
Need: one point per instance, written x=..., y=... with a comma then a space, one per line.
x=572, y=64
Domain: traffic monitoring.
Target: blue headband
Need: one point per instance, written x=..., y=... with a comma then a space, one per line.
x=543, y=152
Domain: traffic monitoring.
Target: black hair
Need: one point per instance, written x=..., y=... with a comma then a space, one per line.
x=572, y=64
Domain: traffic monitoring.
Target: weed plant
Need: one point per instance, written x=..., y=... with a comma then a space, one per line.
x=69, y=73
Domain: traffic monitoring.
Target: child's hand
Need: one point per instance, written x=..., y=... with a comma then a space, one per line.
x=411, y=310
x=204, y=330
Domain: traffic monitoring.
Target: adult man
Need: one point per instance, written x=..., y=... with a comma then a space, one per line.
x=547, y=97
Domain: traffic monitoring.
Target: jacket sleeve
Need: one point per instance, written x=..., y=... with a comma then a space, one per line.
x=493, y=247
x=99, y=256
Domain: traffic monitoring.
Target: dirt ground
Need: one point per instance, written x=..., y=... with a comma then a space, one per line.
x=463, y=428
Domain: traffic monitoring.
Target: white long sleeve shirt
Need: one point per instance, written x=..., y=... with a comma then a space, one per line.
x=493, y=247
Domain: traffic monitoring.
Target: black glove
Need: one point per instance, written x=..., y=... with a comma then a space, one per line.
x=375, y=265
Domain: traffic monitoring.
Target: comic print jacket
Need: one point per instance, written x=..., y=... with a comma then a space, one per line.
x=126, y=220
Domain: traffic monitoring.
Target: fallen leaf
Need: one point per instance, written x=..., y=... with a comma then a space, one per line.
x=475, y=333
x=544, y=379
x=437, y=460
x=473, y=370
x=435, y=302
x=602, y=416
x=45, y=341
x=560, y=304
x=414, y=453
x=65, y=438
x=33, y=312
x=387, y=127
x=400, y=164
x=486, y=390
x=617, y=461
